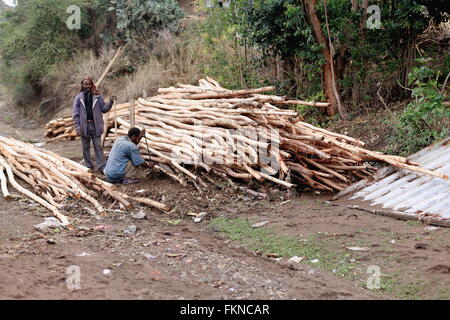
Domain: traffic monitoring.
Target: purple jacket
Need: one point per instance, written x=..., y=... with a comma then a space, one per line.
x=79, y=113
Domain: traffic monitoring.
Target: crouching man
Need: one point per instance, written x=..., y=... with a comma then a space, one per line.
x=125, y=163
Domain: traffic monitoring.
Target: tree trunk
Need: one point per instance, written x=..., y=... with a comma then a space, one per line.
x=327, y=67
x=407, y=58
x=95, y=39
x=358, y=83
x=341, y=62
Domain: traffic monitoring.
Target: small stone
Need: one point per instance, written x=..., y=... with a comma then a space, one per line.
x=200, y=217
x=106, y=271
x=139, y=215
x=311, y=271
x=130, y=231
x=314, y=261
x=149, y=256
x=430, y=228
x=117, y=264
x=393, y=241
x=51, y=241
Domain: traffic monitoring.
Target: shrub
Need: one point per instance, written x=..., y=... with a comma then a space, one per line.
x=426, y=119
x=144, y=18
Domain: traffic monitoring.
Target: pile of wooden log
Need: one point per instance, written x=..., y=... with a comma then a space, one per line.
x=55, y=179
x=64, y=128
x=245, y=134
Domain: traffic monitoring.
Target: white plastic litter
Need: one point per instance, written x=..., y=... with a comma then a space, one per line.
x=260, y=224
x=50, y=222
x=358, y=248
x=296, y=259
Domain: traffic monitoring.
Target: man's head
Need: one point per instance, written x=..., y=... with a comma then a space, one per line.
x=135, y=135
x=87, y=85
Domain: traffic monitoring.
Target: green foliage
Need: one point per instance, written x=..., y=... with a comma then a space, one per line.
x=280, y=28
x=426, y=119
x=267, y=241
x=144, y=18
x=222, y=52
x=34, y=38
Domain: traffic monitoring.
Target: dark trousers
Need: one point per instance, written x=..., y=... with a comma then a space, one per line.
x=86, y=145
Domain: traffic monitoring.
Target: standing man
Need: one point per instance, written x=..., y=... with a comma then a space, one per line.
x=87, y=110
x=125, y=163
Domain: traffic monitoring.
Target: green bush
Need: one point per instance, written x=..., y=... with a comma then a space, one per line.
x=143, y=18
x=35, y=37
x=426, y=119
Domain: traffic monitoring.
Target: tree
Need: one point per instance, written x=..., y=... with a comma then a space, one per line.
x=144, y=18
x=328, y=67
x=332, y=35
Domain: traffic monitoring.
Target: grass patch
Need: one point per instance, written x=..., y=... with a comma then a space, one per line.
x=266, y=241
x=413, y=223
x=411, y=291
x=397, y=287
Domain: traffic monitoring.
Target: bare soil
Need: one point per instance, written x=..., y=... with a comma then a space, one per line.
x=172, y=257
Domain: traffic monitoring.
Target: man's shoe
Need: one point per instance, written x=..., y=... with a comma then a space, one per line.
x=130, y=181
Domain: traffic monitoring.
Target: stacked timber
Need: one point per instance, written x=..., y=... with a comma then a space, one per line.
x=245, y=134
x=64, y=127
x=54, y=179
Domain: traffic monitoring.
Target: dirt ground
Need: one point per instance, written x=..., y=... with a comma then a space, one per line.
x=222, y=257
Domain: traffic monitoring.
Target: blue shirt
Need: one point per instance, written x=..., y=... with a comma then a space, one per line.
x=122, y=151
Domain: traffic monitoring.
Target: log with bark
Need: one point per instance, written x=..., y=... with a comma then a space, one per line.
x=64, y=128
x=244, y=134
x=53, y=179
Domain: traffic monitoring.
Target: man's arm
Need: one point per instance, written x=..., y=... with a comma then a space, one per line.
x=147, y=164
x=137, y=159
x=105, y=107
x=76, y=115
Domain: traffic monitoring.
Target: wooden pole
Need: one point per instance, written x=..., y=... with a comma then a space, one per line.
x=109, y=66
x=132, y=113
x=115, y=120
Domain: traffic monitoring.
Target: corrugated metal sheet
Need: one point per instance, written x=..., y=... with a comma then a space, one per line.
x=408, y=193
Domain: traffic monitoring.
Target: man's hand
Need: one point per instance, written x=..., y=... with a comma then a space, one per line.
x=113, y=98
x=149, y=164
x=78, y=131
x=141, y=135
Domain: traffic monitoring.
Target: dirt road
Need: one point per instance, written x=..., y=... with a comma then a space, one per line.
x=223, y=257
